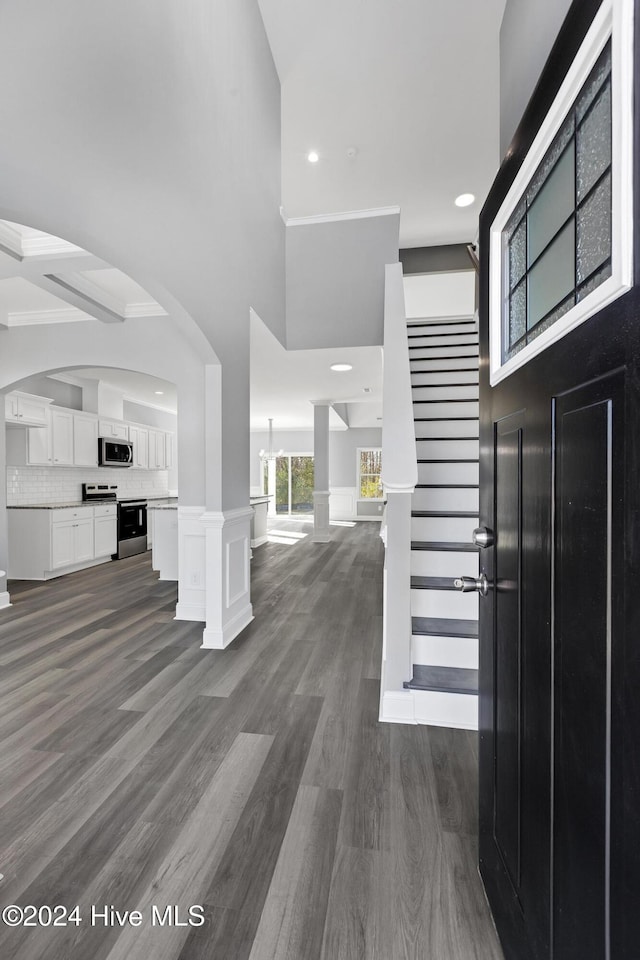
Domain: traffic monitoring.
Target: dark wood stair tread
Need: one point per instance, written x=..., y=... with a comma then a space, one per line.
x=444, y=546
x=432, y=583
x=457, y=356
x=449, y=460
x=448, y=333
x=437, y=386
x=444, y=627
x=443, y=679
x=445, y=513
x=445, y=438
x=447, y=486
x=452, y=400
x=443, y=346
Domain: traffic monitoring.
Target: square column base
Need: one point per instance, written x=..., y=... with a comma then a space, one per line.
x=321, y=531
x=192, y=600
x=228, y=596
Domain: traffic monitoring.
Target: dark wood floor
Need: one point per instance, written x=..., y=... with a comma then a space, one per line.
x=138, y=770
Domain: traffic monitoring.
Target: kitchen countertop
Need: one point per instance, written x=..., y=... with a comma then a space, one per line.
x=168, y=502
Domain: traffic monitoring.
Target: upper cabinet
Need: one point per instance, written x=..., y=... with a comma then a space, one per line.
x=113, y=429
x=58, y=436
x=85, y=440
x=26, y=410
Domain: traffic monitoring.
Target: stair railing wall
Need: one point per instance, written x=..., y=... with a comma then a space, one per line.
x=399, y=477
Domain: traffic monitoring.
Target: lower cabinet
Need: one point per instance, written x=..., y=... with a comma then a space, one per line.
x=71, y=543
x=45, y=543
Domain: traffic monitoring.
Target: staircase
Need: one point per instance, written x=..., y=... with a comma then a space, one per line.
x=444, y=511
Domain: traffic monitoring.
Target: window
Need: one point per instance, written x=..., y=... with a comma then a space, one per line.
x=561, y=245
x=369, y=470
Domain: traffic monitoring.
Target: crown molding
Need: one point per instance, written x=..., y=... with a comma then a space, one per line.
x=10, y=239
x=28, y=318
x=337, y=217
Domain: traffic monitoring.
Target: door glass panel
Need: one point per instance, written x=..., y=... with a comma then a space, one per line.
x=518, y=314
x=282, y=484
x=518, y=254
x=594, y=230
x=301, y=485
x=594, y=143
x=553, y=205
x=553, y=277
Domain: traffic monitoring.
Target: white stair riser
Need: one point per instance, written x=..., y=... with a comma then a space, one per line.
x=446, y=340
x=441, y=563
x=445, y=499
x=459, y=652
x=446, y=709
x=461, y=408
x=466, y=392
x=427, y=429
x=454, y=529
x=448, y=449
x=426, y=378
x=447, y=473
x=448, y=351
x=441, y=327
x=441, y=363
x=444, y=603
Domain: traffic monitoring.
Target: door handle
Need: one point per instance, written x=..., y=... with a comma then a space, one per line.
x=472, y=584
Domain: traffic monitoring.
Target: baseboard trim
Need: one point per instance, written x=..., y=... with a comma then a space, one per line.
x=259, y=541
x=190, y=611
x=397, y=707
x=428, y=709
x=5, y=601
x=220, y=639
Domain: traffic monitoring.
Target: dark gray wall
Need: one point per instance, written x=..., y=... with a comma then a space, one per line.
x=441, y=259
x=526, y=37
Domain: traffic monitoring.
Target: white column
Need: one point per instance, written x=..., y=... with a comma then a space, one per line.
x=228, y=598
x=5, y=600
x=321, y=472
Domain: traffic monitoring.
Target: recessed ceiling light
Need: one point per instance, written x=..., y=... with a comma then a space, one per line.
x=366, y=389
x=312, y=156
x=464, y=200
x=159, y=393
x=341, y=367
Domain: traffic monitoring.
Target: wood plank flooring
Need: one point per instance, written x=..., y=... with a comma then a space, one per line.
x=138, y=770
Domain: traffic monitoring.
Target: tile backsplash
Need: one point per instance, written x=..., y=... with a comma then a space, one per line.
x=64, y=484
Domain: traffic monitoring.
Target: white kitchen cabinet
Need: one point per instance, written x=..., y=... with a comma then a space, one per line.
x=139, y=436
x=25, y=409
x=157, y=450
x=113, y=429
x=105, y=530
x=39, y=450
x=47, y=543
x=169, y=449
x=71, y=543
x=85, y=440
x=62, y=437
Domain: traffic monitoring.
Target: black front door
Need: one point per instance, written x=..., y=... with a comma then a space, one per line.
x=560, y=626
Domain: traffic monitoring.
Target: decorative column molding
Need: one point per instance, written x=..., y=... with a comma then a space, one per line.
x=192, y=574
x=321, y=529
x=5, y=599
x=228, y=596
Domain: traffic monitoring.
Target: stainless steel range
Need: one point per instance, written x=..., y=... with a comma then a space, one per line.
x=132, y=517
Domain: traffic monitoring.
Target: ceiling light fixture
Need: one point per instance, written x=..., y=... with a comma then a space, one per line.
x=464, y=200
x=269, y=454
x=341, y=367
x=312, y=156
x=159, y=393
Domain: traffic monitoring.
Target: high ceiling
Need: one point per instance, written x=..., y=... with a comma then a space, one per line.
x=411, y=85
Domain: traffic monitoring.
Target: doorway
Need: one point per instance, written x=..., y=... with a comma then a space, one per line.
x=289, y=479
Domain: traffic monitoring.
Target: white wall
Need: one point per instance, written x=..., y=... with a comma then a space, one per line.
x=527, y=34
x=343, y=446
x=149, y=134
x=335, y=281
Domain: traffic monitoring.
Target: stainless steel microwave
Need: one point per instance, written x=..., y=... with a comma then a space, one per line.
x=114, y=453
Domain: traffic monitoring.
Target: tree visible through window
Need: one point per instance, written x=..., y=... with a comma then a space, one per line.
x=369, y=469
